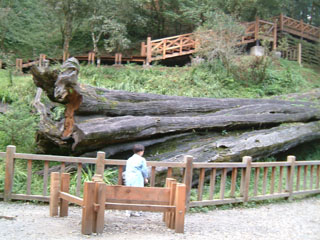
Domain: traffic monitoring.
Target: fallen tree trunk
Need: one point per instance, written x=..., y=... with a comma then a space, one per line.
x=97, y=118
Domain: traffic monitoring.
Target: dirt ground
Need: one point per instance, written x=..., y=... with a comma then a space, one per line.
x=297, y=220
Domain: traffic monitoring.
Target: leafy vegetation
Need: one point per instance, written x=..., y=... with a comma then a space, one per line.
x=76, y=24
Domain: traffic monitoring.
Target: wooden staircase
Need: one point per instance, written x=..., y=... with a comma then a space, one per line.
x=186, y=44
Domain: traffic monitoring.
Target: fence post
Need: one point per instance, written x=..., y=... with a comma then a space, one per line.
x=143, y=49
x=100, y=166
x=256, y=29
x=65, y=185
x=100, y=198
x=299, y=53
x=0, y=64
x=149, y=49
x=188, y=177
x=9, y=176
x=54, y=193
x=281, y=22
x=88, y=208
x=291, y=160
x=247, y=160
x=275, y=30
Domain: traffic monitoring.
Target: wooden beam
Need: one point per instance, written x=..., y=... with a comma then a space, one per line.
x=70, y=198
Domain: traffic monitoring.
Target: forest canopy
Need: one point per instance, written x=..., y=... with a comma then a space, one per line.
x=30, y=27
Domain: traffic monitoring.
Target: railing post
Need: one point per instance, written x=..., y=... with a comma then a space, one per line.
x=281, y=22
x=88, y=208
x=188, y=177
x=291, y=160
x=100, y=166
x=65, y=186
x=19, y=64
x=275, y=31
x=54, y=193
x=9, y=175
x=256, y=29
x=247, y=160
x=149, y=49
x=143, y=49
x=299, y=53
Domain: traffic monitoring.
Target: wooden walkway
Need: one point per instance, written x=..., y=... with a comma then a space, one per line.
x=185, y=44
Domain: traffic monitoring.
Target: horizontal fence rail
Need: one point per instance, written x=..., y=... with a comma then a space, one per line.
x=206, y=183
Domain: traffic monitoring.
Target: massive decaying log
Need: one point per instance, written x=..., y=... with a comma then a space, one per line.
x=112, y=120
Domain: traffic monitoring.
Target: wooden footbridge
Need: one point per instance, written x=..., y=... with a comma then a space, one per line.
x=186, y=44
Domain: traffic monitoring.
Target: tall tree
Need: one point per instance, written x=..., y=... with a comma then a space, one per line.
x=69, y=14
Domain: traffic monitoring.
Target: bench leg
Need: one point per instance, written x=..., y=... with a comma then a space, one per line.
x=100, y=198
x=88, y=208
x=180, y=202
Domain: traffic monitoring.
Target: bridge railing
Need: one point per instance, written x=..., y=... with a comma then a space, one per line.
x=299, y=28
x=168, y=47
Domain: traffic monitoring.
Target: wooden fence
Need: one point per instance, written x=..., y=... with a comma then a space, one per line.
x=228, y=182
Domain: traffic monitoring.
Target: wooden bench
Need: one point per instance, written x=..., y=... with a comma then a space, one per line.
x=97, y=197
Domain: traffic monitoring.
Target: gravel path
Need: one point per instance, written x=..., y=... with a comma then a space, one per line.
x=298, y=220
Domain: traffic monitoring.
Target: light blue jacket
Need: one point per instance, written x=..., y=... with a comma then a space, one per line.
x=136, y=171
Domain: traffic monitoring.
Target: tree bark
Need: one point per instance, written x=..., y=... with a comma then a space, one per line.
x=97, y=118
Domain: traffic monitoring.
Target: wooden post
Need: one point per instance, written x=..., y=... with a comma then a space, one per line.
x=54, y=193
x=188, y=177
x=0, y=64
x=149, y=49
x=88, y=208
x=299, y=53
x=256, y=29
x=8, y=181
x=291, y=160
x=281, y=22
x=247, y=160
x=171, y=216
x=119, y=58
x=65, y=185
x=180, y=201
x=275, y=31
x=100, y=198
x=143, y=49
x=19, y=64
x=93, y=56
x=89, y=57
x=120, y=172
x=100, y=165
x=167, y=185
